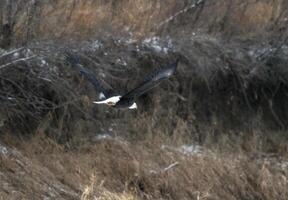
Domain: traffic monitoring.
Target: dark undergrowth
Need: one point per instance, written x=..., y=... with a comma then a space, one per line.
x=232, y=74
x=218, y=89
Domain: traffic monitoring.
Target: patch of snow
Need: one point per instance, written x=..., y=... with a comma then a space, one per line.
x=285, y=49
x=186, y=150
x=153, y=43
x=153, y=171
x=28, y=53
x=3, y=150
x=130, y=41
x=191, y=149
x=117, y=41
x=91, y=45
x=127, y=39
x=96, y=45
x=284, y=165
x=103, y=75
x=127, y=28
x=158, y=45
x=105, y=136
x=165, y=50
x=53, y=69
x=16, y=55
x=102, y=137
x=121, y=62
x=257, y=52
x=251, y=53
x=43, y=62
x=2, y=122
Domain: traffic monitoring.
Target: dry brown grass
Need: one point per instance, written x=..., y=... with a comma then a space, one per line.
x=62, y=18
x=118, y=169
x=103, y=194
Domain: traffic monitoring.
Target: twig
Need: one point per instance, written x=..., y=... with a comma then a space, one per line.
x=165, y=169
x=170, y=166
x=240, y=81
x=15, y=61
x=66, y=103
x=10, y=52
x=275, y=116
x=45, y=79
x=179, y=13
x=178, y=96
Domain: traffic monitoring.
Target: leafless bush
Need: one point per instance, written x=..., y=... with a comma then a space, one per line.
x=227, y=86
x=30, y=89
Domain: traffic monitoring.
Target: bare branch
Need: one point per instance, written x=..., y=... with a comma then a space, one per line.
x=11, y=52
x=165, y=169
x=186, y=9
x=171, y=166
x=15, y=61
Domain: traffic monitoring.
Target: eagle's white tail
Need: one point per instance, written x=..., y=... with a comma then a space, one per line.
x=134, y=106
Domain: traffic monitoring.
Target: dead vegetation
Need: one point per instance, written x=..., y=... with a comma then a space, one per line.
x=224, y=107
x=227, y=101
x=26, y=20
x=113, y=169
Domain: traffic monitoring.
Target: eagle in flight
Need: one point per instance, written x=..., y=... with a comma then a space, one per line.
x=111, y=98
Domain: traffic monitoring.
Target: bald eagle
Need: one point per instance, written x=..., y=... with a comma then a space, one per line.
x=126, y=101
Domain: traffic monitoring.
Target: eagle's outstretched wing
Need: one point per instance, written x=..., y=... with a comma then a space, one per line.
x=150, y=82
x=99, y=85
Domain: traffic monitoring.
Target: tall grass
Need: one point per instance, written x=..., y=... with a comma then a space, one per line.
x=28, y=20
x=119, y=169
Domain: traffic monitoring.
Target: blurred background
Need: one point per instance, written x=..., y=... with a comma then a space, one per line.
x=222, y=119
